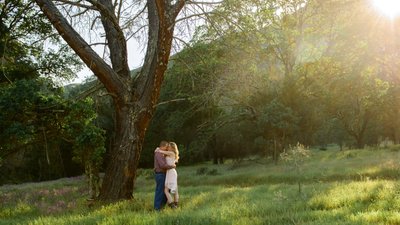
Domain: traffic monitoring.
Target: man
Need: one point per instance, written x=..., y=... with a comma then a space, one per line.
x=160, y=168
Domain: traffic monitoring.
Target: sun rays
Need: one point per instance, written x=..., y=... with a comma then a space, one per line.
x=390, y=8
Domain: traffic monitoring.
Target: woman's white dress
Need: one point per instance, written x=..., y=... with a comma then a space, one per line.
x=171, y=178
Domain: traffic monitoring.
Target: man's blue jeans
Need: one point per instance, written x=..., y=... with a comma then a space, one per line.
x=159, y=197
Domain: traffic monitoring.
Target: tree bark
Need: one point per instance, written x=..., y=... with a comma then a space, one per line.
x=119, y=175
x=360, y=142
x=134, y=101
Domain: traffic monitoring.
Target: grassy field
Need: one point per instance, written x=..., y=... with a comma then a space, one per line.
x=348, y=187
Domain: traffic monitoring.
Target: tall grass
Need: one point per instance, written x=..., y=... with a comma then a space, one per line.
x=348, y=187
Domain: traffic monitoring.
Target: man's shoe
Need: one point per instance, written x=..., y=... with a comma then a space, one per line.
x=176, y=204
x=172, y=205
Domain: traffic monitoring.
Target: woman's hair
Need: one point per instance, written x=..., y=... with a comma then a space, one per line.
x=175, y=150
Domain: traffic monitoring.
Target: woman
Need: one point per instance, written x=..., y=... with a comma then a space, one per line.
x=171, y=180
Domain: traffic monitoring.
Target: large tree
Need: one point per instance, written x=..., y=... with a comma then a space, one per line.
x=134, y=98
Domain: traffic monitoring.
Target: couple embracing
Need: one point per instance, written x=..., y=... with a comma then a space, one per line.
x=165, y=157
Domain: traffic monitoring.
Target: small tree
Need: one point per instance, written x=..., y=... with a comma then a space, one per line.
x=277, y=123
x=89, y=150
x=295, y=158
x=88, y=142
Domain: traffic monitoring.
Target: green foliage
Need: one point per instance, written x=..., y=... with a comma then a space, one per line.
x=358, y=110
x=34, y=113
x=89, y=145
x=277, y=119
x=80, y=115
x=28, y=106
x=189, y=120
x=35, y=118
x=206, y=171
x=89, y=141
x=25, y=35
x=231, y=76
x=201, y=171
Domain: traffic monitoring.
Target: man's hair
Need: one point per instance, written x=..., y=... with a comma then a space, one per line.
x=164, y=143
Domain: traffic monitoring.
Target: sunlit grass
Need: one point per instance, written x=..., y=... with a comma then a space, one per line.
x=349, y=187
x=368, y=202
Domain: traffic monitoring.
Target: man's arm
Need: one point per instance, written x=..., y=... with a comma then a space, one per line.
x=162, y=162
x=166, y=152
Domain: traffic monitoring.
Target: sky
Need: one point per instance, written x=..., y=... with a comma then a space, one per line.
x=135, y=59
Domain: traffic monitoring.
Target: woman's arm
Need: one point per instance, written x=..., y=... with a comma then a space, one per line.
x=166, y=152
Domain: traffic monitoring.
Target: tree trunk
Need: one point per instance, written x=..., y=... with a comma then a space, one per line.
x=120, y=174
x=221, y=160
x=360, y=142
x=215, y=159
x=214, y=147
x=393, y=135
x=92, y=175
x=274, y=153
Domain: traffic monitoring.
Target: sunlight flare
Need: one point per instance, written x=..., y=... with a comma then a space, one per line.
x=390, y=8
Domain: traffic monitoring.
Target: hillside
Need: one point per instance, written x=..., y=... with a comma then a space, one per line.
x=348, y=187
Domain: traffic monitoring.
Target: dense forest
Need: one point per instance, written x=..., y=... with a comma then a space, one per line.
x=256, y=77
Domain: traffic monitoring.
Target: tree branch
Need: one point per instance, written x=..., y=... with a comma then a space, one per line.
x=169, y=101
x=134, y=33
x=119, y=9
x=98, y=43
x=80, y=13
x=106, y=13
x=89, y=91
x=115, y=38
x=203, y=3
x=177, y=7
x=95, y=63
x=76, y=4
x=136, y=16
x=193, y=15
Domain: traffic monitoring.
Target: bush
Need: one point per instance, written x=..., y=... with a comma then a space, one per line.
x=213, y=172
x=205, y=171
x=147, y=174
x=393, y=148
x=201, y=171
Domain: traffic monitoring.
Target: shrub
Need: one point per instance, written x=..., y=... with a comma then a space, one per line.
x=294, y=158
x=201, y=171
x=147, y=174
x=213, y=172
x=205, y=171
